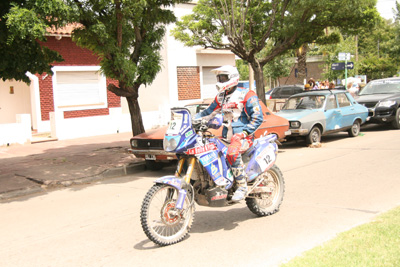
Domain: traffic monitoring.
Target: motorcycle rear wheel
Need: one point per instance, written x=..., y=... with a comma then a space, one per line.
x=161, y=221
x=265, y=204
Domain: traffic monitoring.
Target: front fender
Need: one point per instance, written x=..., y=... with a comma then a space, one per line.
x=170, y=180
x=176, y=183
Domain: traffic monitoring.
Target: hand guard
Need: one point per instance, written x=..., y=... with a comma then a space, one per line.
x=239, y=136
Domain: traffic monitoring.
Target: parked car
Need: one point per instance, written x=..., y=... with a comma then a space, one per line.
x=149, y=145
x=284, y=91
x=315, y=113
x=246, y=84
x=382, y=98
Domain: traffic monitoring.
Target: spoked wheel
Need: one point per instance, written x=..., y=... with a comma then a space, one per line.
x=268, y=195
x=162, y=222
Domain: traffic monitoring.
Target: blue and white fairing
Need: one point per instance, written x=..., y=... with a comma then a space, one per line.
x=180, y=134
x=182, y=138
x=214, y=161
x=261, y=156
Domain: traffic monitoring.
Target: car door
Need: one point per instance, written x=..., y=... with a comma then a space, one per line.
x=286, y=92
x=347, y=109
x=276, y=94
x=332, y=113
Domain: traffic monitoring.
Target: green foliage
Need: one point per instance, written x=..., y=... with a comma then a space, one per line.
x=377, y=68
x=243, y=68
x=379, y=50
x=330, y=52
x=22, y=23
x=127, y=37
x=245, y=27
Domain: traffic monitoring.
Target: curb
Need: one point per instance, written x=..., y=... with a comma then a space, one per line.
x=107, y=174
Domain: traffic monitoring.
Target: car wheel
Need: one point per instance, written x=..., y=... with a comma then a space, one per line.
x=314, y=136
x=396, y=122
x=154, y=165
x=355, y=129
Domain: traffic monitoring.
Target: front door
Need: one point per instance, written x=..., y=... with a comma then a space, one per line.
x=333, y=114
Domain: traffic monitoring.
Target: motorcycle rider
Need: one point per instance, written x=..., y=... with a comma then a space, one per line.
x=242, y=116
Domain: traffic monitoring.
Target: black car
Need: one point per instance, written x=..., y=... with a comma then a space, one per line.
x=382, y=98
x=284, y=91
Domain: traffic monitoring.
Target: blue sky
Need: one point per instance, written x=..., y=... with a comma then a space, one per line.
x=385, y=8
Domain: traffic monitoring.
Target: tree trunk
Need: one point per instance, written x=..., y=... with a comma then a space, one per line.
x=132, y=96
x=301, y=63
x=136, y=115
x=258, y=76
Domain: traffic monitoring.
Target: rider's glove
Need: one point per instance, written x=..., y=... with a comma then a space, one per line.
x=239, y=136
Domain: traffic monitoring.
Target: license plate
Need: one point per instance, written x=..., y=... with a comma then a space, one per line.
x=150, y=157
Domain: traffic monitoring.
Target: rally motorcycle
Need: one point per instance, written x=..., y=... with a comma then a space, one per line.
x=203, y=176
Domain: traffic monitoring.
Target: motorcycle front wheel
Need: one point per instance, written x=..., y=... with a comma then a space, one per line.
x=161, y=221
x=268, y=201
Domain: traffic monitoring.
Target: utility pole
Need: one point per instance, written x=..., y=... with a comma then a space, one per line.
x=356, y=38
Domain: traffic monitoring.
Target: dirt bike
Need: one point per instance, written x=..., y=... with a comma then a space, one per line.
x=203, y=176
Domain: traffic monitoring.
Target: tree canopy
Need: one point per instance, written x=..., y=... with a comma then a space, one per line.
x=127, y=36
x=22, y=23
x=245, y=27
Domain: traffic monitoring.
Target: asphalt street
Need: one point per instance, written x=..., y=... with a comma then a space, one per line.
x=346, y=182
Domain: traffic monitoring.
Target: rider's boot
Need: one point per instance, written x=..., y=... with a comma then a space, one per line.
x=241, y=182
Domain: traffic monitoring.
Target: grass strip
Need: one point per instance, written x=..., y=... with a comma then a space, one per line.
x=373, y=244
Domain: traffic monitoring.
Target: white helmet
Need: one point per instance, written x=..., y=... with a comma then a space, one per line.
x=227, y=77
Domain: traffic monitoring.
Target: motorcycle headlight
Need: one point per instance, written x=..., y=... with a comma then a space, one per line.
x=134, y=143
x=170, y=143
x=295, y=124
x=387, y=103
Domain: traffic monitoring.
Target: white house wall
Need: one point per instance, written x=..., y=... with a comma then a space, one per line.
x=157, y=99
x=12, y=104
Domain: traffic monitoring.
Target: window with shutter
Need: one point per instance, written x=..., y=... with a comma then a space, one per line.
x=79, y=88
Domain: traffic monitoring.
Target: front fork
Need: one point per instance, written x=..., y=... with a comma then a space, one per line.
x=181, y=184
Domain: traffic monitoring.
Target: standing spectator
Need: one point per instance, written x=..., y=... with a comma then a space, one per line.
x=353, y=90
x=307, y=87
x=331, y=85
x=312, y=84
x=361, y=85
x=323, y=85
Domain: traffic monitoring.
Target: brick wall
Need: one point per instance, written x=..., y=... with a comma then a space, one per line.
x=86, y=113
x=46, y=95
x=73, y=56
x=188, y=83
x=314, y=70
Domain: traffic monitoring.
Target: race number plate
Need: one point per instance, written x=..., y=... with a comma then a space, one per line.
x=175, y=124
x=266, y=158
x=150, y=157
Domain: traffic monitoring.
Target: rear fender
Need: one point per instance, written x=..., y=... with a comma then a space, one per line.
x=176, y=183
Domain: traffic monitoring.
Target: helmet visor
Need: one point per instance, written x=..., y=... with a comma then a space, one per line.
x=222, y=78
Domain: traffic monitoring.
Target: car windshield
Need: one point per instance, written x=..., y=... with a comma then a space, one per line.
x=382, y=87
x=305, y=102
x=194, y=109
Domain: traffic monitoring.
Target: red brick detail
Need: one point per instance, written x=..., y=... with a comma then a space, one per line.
x=86, y=113
x=188, y=83
x=46, y=95
x=113, y=100
x=73, y=55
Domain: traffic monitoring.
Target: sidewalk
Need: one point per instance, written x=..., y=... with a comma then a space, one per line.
x=32, y=168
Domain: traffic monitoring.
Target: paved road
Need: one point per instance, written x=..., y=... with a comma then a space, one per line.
x=330, y=189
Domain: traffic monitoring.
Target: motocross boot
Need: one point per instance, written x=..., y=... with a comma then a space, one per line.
x=241, y=182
